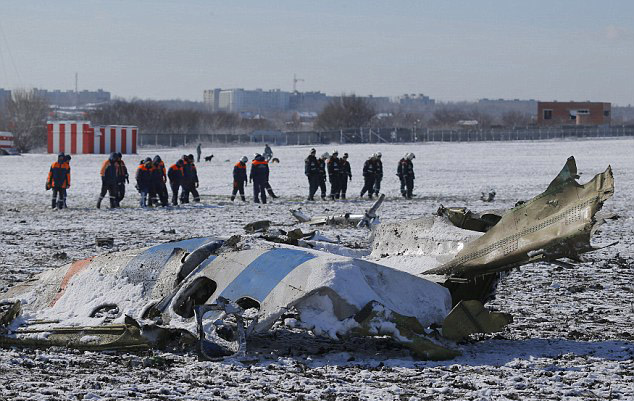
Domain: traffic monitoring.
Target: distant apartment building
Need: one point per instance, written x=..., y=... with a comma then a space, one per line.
x=251, y=101
x=260, y=101
x=574, y=113
x=5, y=96
x=414, y=101
x=71, y=98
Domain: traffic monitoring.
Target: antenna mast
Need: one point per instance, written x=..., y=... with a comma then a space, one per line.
x=295, y=81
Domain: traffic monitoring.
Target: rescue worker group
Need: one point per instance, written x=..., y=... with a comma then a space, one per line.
x=152, y=177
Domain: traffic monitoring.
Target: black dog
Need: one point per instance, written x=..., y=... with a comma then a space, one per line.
x=208, y=158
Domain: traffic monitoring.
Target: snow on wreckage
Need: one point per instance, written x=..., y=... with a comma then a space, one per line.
x=210, y=295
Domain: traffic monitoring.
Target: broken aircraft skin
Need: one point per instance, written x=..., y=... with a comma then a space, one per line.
x=203, y=294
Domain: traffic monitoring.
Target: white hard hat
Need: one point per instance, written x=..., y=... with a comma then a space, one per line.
x=378, y=154
x=335, y=152
x=244, y=159
x=405, y=155
x=411, y=156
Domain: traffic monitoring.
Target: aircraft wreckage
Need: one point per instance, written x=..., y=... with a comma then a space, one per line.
x=209, y=295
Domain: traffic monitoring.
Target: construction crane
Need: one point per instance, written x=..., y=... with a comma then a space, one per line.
x=295, y=81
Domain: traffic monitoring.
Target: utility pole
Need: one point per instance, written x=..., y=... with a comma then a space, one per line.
x=295, y=81
x=76, y=90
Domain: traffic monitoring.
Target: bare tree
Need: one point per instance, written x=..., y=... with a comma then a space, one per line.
x=25, y=115
x=345, y=112
x=515, y=118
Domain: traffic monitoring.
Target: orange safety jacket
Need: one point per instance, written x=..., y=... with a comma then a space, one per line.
x=59, y=175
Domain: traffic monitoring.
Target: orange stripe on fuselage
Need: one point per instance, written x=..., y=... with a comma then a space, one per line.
x=75, y=268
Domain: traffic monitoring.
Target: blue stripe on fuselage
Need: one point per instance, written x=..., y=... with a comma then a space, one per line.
x=259, y=278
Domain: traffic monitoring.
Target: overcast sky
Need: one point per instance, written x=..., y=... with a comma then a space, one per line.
x=449, y=50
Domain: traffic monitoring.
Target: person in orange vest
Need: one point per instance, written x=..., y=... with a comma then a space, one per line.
x=122, y=177
x=59, y=180
x=175, y=174
x=260, y=177
x=239, y=178
x=144, y=182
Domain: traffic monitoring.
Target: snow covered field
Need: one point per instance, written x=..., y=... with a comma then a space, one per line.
x=573, y=330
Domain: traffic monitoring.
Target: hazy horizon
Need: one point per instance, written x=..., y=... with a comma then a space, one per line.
x=450, y=51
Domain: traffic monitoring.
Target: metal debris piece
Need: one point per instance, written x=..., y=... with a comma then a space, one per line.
x=464, y=218
x=366, y=219
x=469, y=317
x=257, y=226
x=104, y=241
x=488, y=196
x=375, y=319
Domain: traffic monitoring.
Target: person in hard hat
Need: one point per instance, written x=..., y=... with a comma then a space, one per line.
x=175, y=175
x=239, y=178
x=144, y=182
x=369, y=175
x=109, y=179
x=378, y=175
x=259, y=175
x=59, y=180
x=405, y=172
x=334, y=175
x=321, y=163
x=122, y=177
x=345, y=175
x=311, y=170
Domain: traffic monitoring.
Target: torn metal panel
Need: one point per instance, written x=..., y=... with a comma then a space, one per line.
x=555, y=224
x=367, y=219
x=469, y=317
x=465, y=218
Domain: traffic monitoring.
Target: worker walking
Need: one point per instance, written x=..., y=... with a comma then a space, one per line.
x=122, y=177
x=369, y=175
x=199, y=151
x=345, y=175
x=260, y=177
x=109, y=181
x=321, y=163
x=378, y=175
x=311, y=170
x=59, y=180
x=144, y=182
x=405, y=172
x=268, y=153
x=334, y=175
x=175, y=175
x=240, y=178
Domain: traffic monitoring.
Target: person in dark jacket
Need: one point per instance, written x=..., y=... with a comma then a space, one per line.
x=199, y=151
x=190, y=180
x=175, y=174
x=144, y=182
x=346, y=174
x=378, y=177
x=311, y=170
x=59, y=180
x=369, y=175
x=240, y=178
x=334, y=175
x=260, y=177
x=109, y=181
x=122, y=177
x=321, y=163
x=405, y=172
x=159, y=177
x=268, y=153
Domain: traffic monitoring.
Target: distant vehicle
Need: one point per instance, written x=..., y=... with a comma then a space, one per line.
x=7, y=147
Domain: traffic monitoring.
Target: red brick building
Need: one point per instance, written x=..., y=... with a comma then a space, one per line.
x=574, y=113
